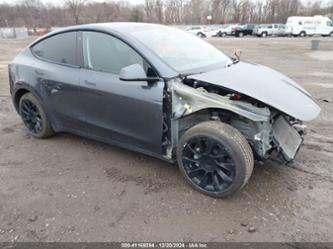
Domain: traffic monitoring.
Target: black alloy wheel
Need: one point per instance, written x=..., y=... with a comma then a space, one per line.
x=215, y=158
x=208, y=164
x=31, y=116
x=34, y=117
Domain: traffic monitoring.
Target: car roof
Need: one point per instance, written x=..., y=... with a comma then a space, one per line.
x=119, y=27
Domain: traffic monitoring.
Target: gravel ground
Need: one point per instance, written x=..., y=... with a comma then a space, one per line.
x=69, y=188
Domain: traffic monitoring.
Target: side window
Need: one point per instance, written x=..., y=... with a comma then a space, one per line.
x=329, y=24
x=300, y=23
x=102, y=52
x=270, y=26
x=276, y=26
x=59, y=48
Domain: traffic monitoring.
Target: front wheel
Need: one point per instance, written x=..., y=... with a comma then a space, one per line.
x=223, y=34
x=201, y=35
x=215, y=158
x=34, y=117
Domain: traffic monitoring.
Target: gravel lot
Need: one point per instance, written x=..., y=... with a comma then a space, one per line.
x=69, y=188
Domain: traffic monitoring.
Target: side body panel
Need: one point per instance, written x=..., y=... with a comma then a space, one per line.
x=56, y=86
x=129, y=113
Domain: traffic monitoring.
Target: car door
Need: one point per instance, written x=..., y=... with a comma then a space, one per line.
x=57, y=71
x=125, y=113
x=328, y=27
x=275, y=29
x=282, y=29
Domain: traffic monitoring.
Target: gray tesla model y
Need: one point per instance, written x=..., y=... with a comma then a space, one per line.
x=164, y=92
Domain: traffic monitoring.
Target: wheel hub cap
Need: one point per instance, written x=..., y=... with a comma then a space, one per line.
x=208, y=164
x=31, y=116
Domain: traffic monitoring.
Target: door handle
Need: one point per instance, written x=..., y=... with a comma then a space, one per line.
x=89, y=83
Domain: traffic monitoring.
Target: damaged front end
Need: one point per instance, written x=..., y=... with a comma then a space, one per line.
x=267, y=130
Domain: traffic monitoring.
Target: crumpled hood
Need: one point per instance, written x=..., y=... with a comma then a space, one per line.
x=266, y=85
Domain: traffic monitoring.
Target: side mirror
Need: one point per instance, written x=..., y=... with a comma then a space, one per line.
x=135, y=72
x=238, y=54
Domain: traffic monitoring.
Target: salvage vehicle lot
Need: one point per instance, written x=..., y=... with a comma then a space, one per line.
x=69, y=188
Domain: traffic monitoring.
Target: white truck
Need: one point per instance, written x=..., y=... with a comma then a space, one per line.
x=307, y=25
x=264, y=30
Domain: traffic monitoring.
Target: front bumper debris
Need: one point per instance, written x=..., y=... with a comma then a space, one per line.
x=287, y=139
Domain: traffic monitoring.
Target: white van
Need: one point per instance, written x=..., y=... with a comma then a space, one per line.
x=306, y=25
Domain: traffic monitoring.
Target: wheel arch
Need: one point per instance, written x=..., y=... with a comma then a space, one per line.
x=207, y=114
x=256, y=132
x=17, y=96
x=302, y=32
x=22, y=88
x=191, y=106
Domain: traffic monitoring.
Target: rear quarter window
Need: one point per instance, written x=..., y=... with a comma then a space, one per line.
x=59, y=48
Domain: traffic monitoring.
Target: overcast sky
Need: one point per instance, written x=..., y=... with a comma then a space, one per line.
x=58, y=2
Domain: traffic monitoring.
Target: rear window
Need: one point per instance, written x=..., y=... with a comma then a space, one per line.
x=59, y=48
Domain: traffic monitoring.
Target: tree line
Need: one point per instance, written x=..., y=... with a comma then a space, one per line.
x=36, y=13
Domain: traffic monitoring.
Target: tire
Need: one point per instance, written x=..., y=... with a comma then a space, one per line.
x=223, y=34
x=34, y=117
x=201, y=35
x=302, y=34
x=331, y=35
x=264, y=35
x=228, y=151
x=240, y=34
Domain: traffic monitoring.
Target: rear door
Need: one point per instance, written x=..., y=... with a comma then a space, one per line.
x=125, y=113
x=57, y=73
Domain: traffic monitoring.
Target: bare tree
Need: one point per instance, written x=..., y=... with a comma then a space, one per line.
x=36, y=13
x=236, y=10
x=75, y=7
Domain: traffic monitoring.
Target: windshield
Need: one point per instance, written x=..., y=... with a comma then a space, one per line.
x=182, y=51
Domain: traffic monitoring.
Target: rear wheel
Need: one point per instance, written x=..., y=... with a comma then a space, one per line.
x=331, y=34
x=34, y=117
x=215, y=158
x=264, y=35
x=240, y=34
x=302, y=34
